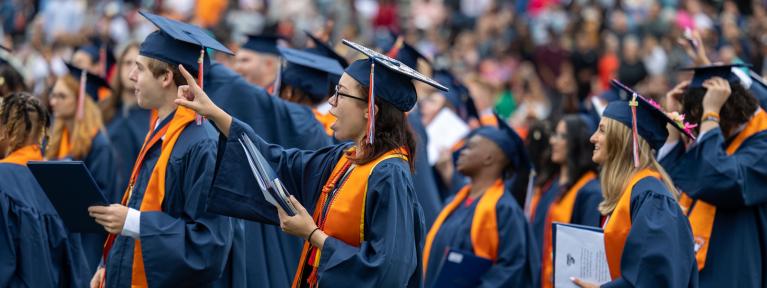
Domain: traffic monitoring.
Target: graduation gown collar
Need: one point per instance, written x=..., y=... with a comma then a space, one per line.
x=23, y=155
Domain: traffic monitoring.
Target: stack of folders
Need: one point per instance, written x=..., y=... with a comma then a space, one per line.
x=271, y=187
x=579, y=251
x=461, y=269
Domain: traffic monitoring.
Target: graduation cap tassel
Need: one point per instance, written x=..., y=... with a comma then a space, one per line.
x=200, y=72
x=634, y=140
x=371, y=105
x=81, y=95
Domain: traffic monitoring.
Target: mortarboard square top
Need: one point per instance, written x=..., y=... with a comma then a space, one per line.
x=651, y=120
x=266, y=44
x=703, y=73
x=324, y=49
x=405, y=53
x=178, y=43
x=393, y=83
x=92, y=82
x=309, y=72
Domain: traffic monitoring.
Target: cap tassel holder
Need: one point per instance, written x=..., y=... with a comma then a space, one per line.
x=371, y=105
x=200, y=72
x=634, y=135
x=81, y=95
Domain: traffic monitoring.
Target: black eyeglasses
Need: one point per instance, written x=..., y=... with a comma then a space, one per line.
x=358, y=98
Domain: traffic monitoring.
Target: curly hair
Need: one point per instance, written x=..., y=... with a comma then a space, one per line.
x=737, y=110
x=24, y=119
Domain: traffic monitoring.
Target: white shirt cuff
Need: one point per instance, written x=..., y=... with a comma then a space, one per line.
x=132, y=225
x=667, y=147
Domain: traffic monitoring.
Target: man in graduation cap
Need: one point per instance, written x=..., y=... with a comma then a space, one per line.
x=722, y=174
x=160, y=233
x=259, y=61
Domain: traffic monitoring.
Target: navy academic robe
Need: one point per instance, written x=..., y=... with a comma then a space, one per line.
x=518, y=262
x=736, y=186
x=272, y=256
x=659, y=247
x=585, y=209
x=394, y=231
x=423, y=178
x=127, y=131
x=101, y=164
x=35, y=250
x=182, y=245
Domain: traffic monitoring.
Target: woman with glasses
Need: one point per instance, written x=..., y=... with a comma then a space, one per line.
x=363, y=225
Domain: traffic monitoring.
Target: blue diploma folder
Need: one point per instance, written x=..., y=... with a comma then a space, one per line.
x=461, y=269
x=71, y=189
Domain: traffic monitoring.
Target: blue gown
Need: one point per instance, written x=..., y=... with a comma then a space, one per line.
x=126, y=133
x=272, y=256
x=735, y=185
x=518, y=262
x=182, y=245
x=101, y=164
x=423, y=179
x=659, y=247
x=394, y=231
x=35, y=250
x=585, y=209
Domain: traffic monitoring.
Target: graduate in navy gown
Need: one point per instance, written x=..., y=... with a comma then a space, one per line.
x=722, y=175
x=258, y=61
x=297, y=129
x=160, y=234
x=36, y=249
x=574, y=194
x=483, y=218
x=367, y=226
x=129, y=123
x=648, y=241
x=79, y=134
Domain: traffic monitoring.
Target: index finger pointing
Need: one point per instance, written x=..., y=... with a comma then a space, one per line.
x=189, y=79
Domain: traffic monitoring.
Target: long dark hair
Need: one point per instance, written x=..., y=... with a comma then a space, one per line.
x=736, y=110
x=578, y=148
x=392, y=131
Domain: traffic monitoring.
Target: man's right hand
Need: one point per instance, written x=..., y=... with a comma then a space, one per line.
x=96, y=280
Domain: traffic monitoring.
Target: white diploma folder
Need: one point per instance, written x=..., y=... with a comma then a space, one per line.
x=579, y=251
x=444, y=131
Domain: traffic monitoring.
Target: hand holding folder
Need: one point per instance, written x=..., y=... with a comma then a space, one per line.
x=271, y=187
x=71, y=189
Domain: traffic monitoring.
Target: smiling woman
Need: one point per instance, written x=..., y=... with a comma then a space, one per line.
x=363, y=226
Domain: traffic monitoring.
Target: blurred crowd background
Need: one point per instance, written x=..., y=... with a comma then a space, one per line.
x=530, y=60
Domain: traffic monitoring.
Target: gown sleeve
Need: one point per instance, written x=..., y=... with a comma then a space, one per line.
x=706, y=172
x=234, y=191
x=586, y=209
x=518, y=263
x=101, y=163
x=659, y=247
x=189, y=249
x=274, y=119
x=390, y=256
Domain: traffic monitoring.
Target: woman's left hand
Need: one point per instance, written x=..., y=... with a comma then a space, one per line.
x=300, y=224
x=583, y=284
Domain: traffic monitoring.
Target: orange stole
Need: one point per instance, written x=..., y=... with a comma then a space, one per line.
x=484, y=226
x=64, y=145
x=702, y=215
x=326, y=120
x=345, y=218
x=617, y=228
x=23, y=155
x=155, y=190
x=562, y=212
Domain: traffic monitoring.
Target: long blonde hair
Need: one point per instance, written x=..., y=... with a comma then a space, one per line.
x=619, y=164
x=84, y=129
